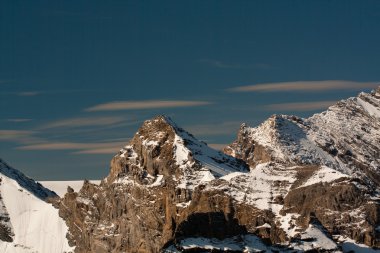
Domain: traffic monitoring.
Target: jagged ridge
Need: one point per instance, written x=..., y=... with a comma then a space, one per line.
x=169, y=150
x=346, y=137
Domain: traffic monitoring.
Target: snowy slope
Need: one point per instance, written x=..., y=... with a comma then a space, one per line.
x=35, y=224
x=350, y=132
x=25, y=182
x=244, y=243
x=260, y=187
x=287, y=138
x=211, y=164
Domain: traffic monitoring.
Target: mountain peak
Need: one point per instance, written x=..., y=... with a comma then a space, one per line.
x=160, y=147
x=345, y=137
x=160, y=120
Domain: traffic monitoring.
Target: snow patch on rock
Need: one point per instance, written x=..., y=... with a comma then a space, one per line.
x=324, y=175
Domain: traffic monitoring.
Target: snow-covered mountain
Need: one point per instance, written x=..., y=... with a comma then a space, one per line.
x=345, y=138
x=325, y=167
x=28, y=223
x=288, y=185
x=190, y=160
x=161, y=166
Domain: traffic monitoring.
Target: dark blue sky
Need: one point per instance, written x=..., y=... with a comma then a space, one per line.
x=63, y=64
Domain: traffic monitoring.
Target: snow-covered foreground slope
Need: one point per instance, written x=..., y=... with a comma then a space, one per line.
x=35, y=224
x=60, y=187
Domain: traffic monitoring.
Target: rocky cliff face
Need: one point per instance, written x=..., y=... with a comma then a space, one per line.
x=145, y=202
x=288, y=184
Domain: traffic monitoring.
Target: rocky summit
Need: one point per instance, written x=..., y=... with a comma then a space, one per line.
x=154, y=195
x=288, y=185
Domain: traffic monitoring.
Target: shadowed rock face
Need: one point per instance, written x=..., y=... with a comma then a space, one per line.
x=246, y=149
x=310, y=181
x=338, y=207
x=6, y=233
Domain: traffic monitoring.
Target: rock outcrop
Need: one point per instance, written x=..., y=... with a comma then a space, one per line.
x=288, y=184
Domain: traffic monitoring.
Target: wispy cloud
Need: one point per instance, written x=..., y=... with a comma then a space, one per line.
x=18, y=136
x=27, y=140
x=305, y=86
x=224, y=65
x=85, y=15
x=217, y=146
x=98, y=151
x=28, y=93
x=6, y=81
x=50, y=92
x=83, y=122
x=148, y=104
x=14, y=134
x=301, y=106
x=62, y=134
x=82, y=148
x=18, y=120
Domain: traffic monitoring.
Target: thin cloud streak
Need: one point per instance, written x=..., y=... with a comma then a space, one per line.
x=28, y=93
x=305, y=86
x=50, y=92
x=301, y=106
x=18, y=120
x=97, y=151
x=14, y=134
x=83, y=122
x=224, y=65
x=6, y=81
x=18, y=136
x=83, y=148
x=148, y=104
